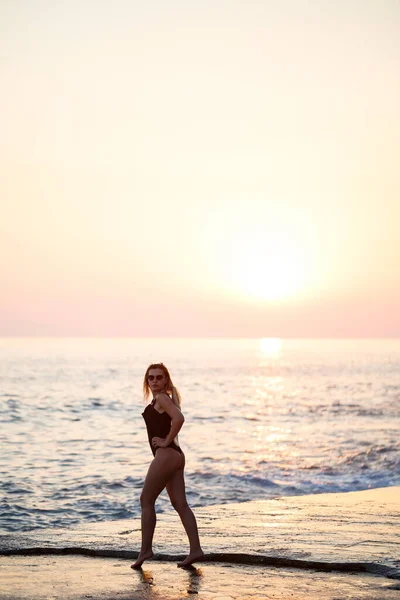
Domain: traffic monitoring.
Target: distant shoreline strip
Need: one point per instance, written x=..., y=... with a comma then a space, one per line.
x=234, y=558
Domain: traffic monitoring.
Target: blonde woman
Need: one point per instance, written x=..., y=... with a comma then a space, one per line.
x=164, y=420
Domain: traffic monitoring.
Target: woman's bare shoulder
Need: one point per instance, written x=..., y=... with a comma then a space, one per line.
x=168, y=405
x=163, y=399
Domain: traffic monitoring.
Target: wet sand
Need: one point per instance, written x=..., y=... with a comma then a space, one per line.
x=78, y=578
x=342, y=545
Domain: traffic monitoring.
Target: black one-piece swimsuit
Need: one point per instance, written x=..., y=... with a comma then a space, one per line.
x=158, y=425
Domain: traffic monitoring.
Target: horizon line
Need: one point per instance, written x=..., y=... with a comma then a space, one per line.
x=195, y=337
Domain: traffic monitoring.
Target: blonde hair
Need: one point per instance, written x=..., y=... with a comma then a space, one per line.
x=170, y=388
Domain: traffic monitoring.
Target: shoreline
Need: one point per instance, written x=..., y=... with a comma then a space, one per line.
x=338, y=541
x=231, y=558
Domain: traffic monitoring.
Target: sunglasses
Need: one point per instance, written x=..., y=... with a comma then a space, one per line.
x=156, y=377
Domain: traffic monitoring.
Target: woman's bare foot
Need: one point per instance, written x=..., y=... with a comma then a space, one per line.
x=193, y=557
x=141, y=558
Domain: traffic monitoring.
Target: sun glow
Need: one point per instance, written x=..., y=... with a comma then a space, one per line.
x=269, y=266
x=270, y=346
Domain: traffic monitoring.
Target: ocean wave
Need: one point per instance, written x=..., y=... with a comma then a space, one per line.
x=104, y=499
x=386, y=457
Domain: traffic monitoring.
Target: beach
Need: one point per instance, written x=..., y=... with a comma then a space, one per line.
x=338, y=546
x=292, y=470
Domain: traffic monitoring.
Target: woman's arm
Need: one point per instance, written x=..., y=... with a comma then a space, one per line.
x=177, y=418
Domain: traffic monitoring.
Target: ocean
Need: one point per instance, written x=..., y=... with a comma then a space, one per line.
x=264, y=419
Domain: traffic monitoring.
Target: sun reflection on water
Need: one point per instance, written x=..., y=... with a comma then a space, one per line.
x=270, y=346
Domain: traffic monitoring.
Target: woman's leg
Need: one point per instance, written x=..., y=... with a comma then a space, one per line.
x=165, y=463
x=176, y=491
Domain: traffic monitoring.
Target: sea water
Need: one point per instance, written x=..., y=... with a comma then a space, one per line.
x=264, y=418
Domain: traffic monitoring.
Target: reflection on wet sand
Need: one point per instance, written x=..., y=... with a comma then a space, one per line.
x=147, y=588
x=146, y=576
x=194, y=579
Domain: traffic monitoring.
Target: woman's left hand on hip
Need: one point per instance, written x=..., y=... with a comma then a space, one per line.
x=159, y=442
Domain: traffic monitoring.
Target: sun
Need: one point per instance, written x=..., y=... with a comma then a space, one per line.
x=264, y=254
x=267, y=268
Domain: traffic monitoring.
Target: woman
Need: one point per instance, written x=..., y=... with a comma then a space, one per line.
x=163, y=421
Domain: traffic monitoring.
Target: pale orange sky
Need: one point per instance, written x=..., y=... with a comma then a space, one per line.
x=204, y=168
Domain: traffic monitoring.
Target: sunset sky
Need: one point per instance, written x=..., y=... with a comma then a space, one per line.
x=214, y=168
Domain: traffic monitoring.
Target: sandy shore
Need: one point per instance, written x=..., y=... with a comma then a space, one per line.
x=342, y=545
x=78, y=578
